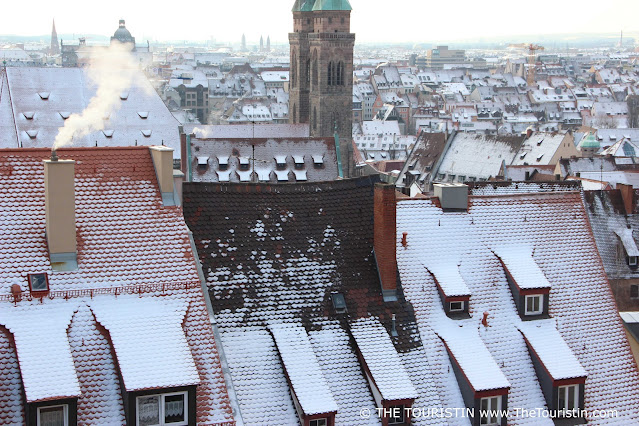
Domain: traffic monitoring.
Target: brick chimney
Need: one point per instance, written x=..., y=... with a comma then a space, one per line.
x=385, y=236
x=163, y=162
x=627, y=195
x=59, y=200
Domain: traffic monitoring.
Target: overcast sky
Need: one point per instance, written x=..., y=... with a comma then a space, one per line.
x=372, y=20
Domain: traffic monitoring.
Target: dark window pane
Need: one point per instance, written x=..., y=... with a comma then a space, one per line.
x=174, y=409
x=53, y=416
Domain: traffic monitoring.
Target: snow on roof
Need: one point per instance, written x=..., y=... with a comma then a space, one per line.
x=630, y=317
x=521, y=265
x=446, y=274
x=149, y=341
x=539, y=148
x=556, y=356
x=478, y=155
x=248, y=131
x=268, y=153
x=629, y=244
x=477, y=364
x=382, y=360
x=302, y=368
x=376, y=127
x=556, y=224
x=40, y=336
x=70, y=90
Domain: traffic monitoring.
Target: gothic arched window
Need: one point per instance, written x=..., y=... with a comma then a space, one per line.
x=293, y=69
x=330, y=74
x=315, y=68
x=308, y=72
x=340, y=74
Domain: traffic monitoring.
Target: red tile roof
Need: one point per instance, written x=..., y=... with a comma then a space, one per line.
x=128, y=242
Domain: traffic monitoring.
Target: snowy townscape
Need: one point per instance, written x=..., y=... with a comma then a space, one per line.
x=318, y=231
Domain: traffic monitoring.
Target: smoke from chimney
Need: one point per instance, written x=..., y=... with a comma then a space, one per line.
x=113, y=71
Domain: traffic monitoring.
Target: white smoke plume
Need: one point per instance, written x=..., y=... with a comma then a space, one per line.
x=113, y=71
x=202, y=133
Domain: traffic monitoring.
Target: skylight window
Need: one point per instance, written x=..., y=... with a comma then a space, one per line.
x=28, y=115
x=143, y=114
x=146, y=133
x=64, y=114
x=32, y=133
x=38, y=282
x=44, y=95
x=108, y=133
x=339, y=303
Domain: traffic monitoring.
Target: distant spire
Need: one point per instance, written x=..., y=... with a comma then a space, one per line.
x=261, y=44
x=55, y=47
x=268, y=43
x=243, y=42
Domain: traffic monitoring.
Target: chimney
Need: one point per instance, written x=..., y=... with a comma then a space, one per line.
x=529, y=133
x=59, y=201
x=385, y=235
x=163, y=162
x=484, y=320
x=627, y=195
x=452, y=196
x=527, y=176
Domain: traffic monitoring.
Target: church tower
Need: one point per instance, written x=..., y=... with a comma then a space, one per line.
x=321, y=76
x=55, y=46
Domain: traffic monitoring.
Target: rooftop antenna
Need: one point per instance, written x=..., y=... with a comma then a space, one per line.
x=393, y=327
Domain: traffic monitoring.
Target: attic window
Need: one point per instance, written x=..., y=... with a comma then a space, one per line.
x=32, y=133
x=53, y=415
x=146, y=133
x=44, y=95
x=223, y=161
x=64, y=114
x=244, y=163
x=339, y=303
x=456, y=306
x=143, y=114
x=108, y=133
x=318, y=422
x=202, y=161
x=632, y=260
x=280, y=160
x=534, y=304
x=28, y=115
x=38, y=282
x=163, y=409
x=124, y=96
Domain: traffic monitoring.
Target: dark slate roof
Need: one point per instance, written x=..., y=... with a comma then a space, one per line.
x=510, y=187
x=273, y=254
x=428, y=149
x=607, y=215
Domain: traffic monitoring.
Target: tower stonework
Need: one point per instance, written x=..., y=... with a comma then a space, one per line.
x=321, y=77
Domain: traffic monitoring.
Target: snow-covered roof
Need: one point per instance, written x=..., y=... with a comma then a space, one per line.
x=556, y=356
x=479, y=156
x=302, y=369
x=380, y=356
x=539, y=148
x=268, y=153
x=44, y=354
x=477, y=364
x=70, y=90
x=629, y=244
x=557, y=226
x=148, y=341
x=249, y=131
x=446, y=275
x=131, y=248
x=376, y=127
x=519, y=261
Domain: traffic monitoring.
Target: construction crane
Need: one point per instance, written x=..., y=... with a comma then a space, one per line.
x=531, y=49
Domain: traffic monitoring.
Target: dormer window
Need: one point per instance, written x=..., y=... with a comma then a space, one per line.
x=38, y=283
x=318, y=422
x=456, y=306
x=280, y=162
x=223, y=162
x=534, y=304
x=632, y=261
x=53, y=415
x=490, y=411
x=299, y=161
x=568, y=398
x=162, y=409
x=244, y=163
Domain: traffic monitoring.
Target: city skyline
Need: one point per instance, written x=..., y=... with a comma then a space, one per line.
x=372, y=21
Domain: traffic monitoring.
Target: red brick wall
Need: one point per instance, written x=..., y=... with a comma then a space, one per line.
x=385, y=234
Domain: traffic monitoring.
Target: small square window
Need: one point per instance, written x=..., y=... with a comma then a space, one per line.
x=456, y=306
x=534, y=304
x=339, y=303
x=318, y=422
x=38, y=282
x=396, y=415
x=56, y=415
x=632, y=260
